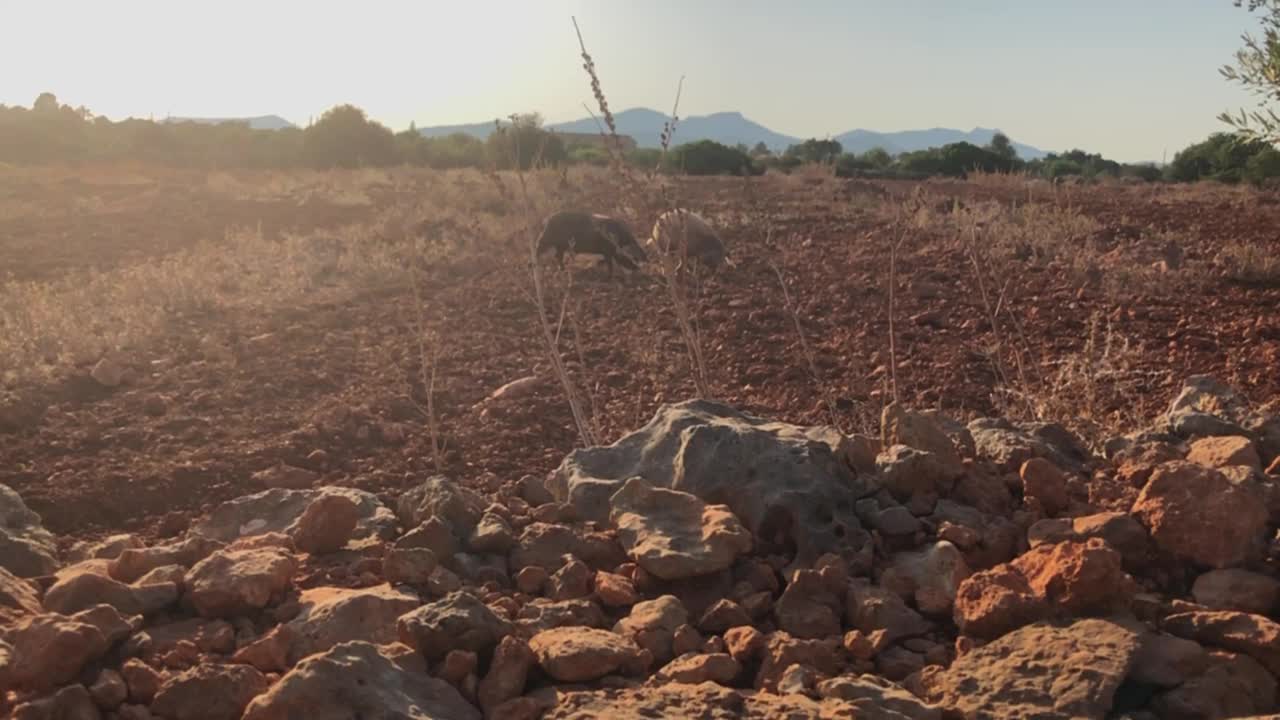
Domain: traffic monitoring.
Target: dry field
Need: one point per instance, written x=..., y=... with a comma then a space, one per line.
x=321, y=319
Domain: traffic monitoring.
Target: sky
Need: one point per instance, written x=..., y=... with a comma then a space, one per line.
x=1132, y=79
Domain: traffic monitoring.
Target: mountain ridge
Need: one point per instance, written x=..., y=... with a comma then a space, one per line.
x=732, y=127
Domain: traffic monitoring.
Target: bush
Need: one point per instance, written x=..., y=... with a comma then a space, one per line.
x=815, y=151
x=344, y=137
x=708, y=157
x=526, y=144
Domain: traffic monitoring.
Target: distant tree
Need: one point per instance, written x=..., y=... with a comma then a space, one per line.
x=1257, y=69
x=708, y=157
x=878, y=158
x=760, y=150
x=525, y=143
x=47, y=102
x=1000, y=145
x=344, y=137
x=816, y=151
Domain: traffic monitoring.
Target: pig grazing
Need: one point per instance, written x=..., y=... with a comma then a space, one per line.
x=579, y=232
x=686, y=235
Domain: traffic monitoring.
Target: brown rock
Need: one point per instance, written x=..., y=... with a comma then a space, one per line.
x=933, y=574
x=896, y=663
x=1235, y=589
x=269, y=653
x=442, y=582
x=871, y=608
x=686, y=640
x=431, y=534
x=286, y=476
x=1084, y=578
x=70, y=703
x=408, y=566
x=208, y=636
x=677, y=700
x=80, y=591
x=134, y=712
x=1224, y=451
x=46, y=651
x=492, y=535
x=781, y=651
x=457, y=665
x=327, y=524
x=1044, y=483
x=1253, y=635
x=580, y=654
x=1199, y=515
x=899, y=426
x=652, y=625
x=143, y=681
x=359, y=679
x=571, y=581
x=993, y=602
x=1233, y=686
x=807, y=609
x=615, y=590
x=209, y=692
x=544, y=545
x=695, y=668
x=1167, y=661
x=860, y=645
x=723, y=615
x=1041, y=671
x=532, y=579
x=227, y=583
x=133, y=563
x=744, y=643
x=507, y=673
x=109, y=690
x=675, y=535
x=18, y=598
x=541, y=614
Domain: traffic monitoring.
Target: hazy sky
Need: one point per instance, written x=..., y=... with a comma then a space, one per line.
x=1128, y=78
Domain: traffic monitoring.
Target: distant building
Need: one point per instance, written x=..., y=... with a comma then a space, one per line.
x=572, y=140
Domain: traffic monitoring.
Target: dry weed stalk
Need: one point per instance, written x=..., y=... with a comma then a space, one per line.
x=815, y=375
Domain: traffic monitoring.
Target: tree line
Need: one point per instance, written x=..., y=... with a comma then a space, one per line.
x=344, y=137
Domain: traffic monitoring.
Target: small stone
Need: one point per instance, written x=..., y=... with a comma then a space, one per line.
x=615, y=590
x=796, y=679
x=1043, y=482
x=408, y=566
x=143, y=681
x=685, y=640
x=722, y=616
x=327, y=524
x=109, y=690
x=532, y=579
x=1224, y=451
x=695, y=668
x=744, y=643
x=457, y=665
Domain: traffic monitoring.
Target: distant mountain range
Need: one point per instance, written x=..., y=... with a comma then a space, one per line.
x=731, y=128
x=262, y=122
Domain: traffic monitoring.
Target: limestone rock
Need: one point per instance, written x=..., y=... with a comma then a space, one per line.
x=875, y=698
x=439, y=497
x=492, y=535
x=579, y=654
x=674, y=535
x=1199, y=515
x=331, y=616
x=783, y=485
x=359, y=679
x=1008, y=445
x=807, y=608
x=615, y=590
x=278, y=510
x=458, y=621
x=230, y=583
x=1043, y=671
x=411, y=566
x=1167, y=661
x=26, y=548
x=543, y=614
x=870, y=609
x=906, y=472
x=938, y=568
x=899, y=426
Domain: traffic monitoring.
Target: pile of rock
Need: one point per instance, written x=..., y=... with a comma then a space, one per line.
x=710, y=564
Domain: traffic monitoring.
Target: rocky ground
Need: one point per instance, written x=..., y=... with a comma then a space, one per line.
x=708, y=564
x=237, y=512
